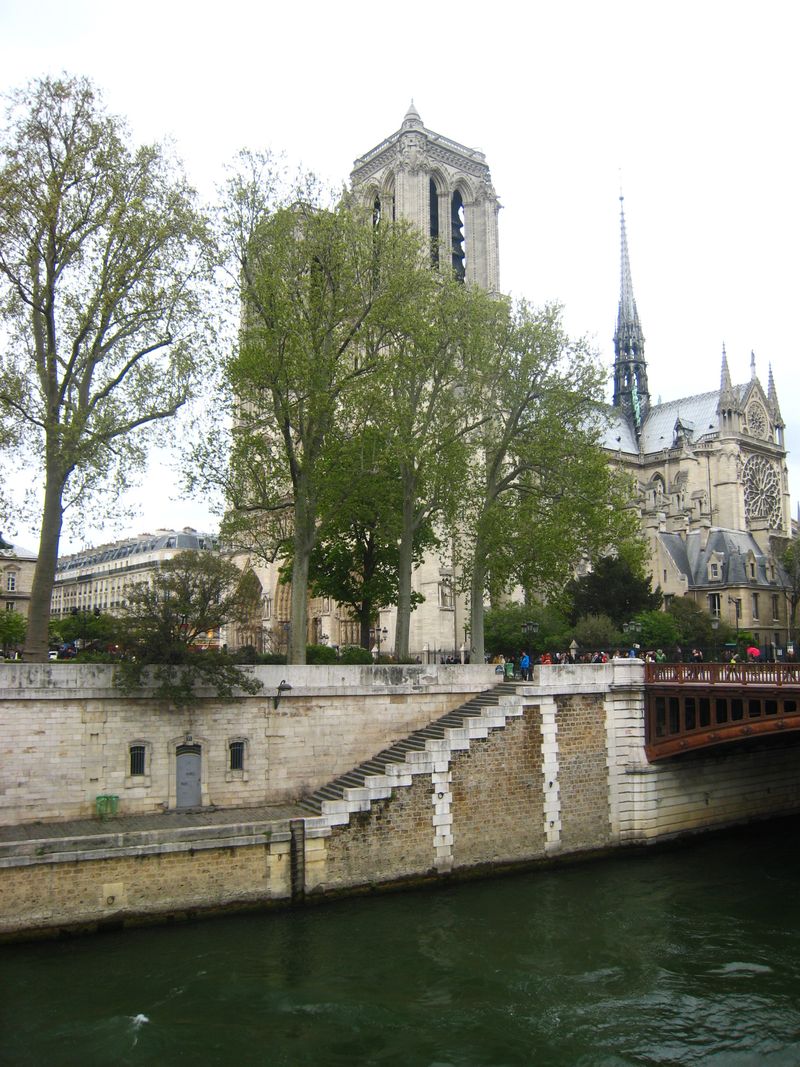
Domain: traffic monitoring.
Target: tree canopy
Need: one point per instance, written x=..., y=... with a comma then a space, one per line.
x=168, y=623
x=613, y=588
x=102, y=259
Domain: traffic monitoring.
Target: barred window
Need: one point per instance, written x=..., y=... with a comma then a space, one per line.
x=137, y=758
x=236, y=749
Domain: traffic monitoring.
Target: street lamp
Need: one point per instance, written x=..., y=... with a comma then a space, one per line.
x=715, y=627
x=634, y=628
x=530, y=629
x=376, y=633
x=737, y=604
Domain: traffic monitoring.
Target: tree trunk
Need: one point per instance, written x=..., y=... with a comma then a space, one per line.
x=304, y=537
x=477, y=584
x=405, y=566
x=37, y=639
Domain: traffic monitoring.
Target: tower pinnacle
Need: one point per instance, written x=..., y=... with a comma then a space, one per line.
x=630, y=368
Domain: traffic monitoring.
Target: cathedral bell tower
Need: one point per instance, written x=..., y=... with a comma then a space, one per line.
x=630, y=369
x=444, y=189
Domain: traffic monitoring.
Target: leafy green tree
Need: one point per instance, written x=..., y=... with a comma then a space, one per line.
x=504, y=629
x=192, y=594
x=322, y=291
x=101, y=260
x=615, y=589
x=540, y=492
x=426, y=410
x=695, y=628
x=659, y=629
x=597, y=633
x=12, y=630
x=355, y=558
x=788, y=553
x=87, y=628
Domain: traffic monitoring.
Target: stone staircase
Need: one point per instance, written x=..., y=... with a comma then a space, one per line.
x=418, y=753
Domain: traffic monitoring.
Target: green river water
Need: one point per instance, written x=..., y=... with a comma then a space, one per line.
x=685, y=956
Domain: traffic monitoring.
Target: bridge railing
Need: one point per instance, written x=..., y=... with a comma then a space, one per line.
x=773, y=674
x=697, y=705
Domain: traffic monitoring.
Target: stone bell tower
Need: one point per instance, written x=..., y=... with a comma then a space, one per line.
x=444, y=189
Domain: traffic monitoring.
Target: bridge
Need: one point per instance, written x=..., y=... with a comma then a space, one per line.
x=691, y=706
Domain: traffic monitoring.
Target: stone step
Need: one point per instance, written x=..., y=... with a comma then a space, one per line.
x=469, y=720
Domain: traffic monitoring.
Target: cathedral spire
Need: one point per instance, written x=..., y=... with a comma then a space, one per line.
x=772, y=400
x=725, y=382
x=630, y=368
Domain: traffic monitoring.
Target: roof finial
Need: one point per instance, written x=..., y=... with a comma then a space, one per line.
x=752, y=365
x=412, y=118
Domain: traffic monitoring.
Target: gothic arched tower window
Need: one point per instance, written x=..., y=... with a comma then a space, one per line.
x=457, y=229
x=434, y=223
x=442, y=188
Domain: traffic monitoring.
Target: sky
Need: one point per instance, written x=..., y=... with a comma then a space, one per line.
x=689, y=108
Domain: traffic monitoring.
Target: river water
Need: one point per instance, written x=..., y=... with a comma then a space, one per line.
x=685, y=956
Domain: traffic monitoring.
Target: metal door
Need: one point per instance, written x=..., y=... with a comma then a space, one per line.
x=188, y=776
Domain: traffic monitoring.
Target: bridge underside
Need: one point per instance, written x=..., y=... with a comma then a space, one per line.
x=685, y=718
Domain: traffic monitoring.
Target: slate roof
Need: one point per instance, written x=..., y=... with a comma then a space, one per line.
x=698, y=415
x=734, y=548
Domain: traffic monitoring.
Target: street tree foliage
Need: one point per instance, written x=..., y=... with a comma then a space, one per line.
x=504, y=633
x=597, y=633
x=13, y=626
x=356, y=557
x=612, y=588
x=540, y=492
x=695, y=628
x=168, y=621
x=322, y=293
x=659, y=629
x=788, y=554
x=101, y=264
x=427, y=409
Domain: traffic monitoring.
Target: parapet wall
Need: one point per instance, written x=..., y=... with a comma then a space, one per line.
x=66, y=734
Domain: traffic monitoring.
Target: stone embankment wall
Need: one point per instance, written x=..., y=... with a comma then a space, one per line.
x=66, y=734
x=558, y=768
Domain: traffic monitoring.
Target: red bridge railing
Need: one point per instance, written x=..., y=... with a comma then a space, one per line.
x=700, y=705
x=723, y=673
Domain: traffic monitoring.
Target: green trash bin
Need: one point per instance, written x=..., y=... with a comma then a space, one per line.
x=106, y=804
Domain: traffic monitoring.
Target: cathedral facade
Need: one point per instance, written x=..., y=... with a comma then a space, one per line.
x=709, y=471
x=711, y=482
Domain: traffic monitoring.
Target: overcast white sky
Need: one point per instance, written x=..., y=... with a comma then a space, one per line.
x=692, y=106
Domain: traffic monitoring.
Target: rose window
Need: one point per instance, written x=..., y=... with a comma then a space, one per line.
x=757, y=420
x=762, y=491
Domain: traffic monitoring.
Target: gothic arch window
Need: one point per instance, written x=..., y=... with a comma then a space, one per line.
x=434, y=231
x=376, y=211
x=762, y=494
x=459, y=259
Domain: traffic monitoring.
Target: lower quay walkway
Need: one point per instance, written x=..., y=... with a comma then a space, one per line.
x=691, y=706
x=131, y=825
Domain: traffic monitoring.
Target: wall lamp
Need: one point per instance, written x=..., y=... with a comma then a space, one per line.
x=283, y=687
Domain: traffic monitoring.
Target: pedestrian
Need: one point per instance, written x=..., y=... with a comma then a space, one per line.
x=525, y=667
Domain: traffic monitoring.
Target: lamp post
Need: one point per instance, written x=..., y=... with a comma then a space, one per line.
x=634, y=628
x=376, y=633
x=737, y=605
x=529, y=629
x=715, y=627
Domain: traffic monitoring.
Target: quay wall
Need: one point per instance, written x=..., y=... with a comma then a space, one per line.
x=66, y=734
x=556, y=770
